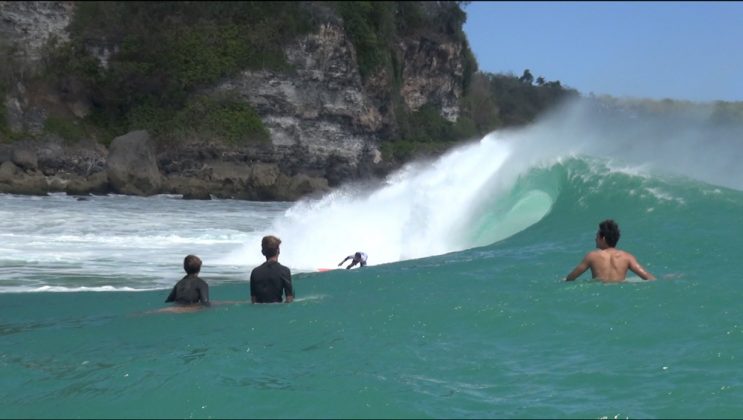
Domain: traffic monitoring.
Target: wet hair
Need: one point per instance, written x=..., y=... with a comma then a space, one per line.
x=192, y=264
x=357, y=255
x=270, y=246
x=609, y=230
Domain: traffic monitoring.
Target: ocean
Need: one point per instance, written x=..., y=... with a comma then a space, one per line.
x=462, y=311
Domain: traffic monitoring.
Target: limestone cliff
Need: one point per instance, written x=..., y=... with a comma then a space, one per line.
x=325, y=121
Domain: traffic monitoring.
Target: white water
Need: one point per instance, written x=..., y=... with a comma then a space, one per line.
x=421, y=211
x=58, y=243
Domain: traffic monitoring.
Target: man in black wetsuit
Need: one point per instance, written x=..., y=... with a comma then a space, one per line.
x=270, y=279
x=190, y=289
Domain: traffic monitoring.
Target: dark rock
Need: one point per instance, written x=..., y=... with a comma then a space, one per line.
x=15, y=181
x=24, y=157
x=8, y=171
x=132, y=168
x=197, y=195
x=6, y=151
x=96, y=183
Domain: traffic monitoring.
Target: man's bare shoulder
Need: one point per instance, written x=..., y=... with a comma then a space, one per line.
x=592, y=255
x=623, y=254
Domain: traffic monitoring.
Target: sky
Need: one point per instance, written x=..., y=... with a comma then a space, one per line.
x=656, y=50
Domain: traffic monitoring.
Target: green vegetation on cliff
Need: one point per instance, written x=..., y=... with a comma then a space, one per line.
x=224, y=118
x=491, y=101
x=501, y=100
x=374, y=27
x=161, y=53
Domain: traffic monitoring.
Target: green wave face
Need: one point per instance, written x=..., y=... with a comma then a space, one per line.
x=501, y=215
x=574, y=195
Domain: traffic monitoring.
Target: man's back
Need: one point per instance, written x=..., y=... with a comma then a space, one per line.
x=189, y=290
x=268, y=280
x=610, y=264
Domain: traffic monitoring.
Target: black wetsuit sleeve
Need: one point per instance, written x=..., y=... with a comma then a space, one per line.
x=171, y=296
x=252, y=285
x=286, y=281
x=204, y=293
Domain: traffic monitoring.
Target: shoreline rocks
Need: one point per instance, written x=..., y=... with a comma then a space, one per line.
x=135, y=165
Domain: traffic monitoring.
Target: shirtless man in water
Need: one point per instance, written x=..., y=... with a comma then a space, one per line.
x=609, y=264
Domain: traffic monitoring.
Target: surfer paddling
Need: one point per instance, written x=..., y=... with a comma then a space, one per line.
x=607, y=263
x=357, y=258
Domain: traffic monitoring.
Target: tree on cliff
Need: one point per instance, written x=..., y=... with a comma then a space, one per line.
x=526, y=78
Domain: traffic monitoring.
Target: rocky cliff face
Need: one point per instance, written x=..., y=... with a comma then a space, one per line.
x=432, y=73
x=29, y=24
x=25, y=27
x=325, y=122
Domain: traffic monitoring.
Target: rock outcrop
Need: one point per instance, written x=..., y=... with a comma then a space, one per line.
x=25, y=29
x=325, y=122
x=131, y=165
x=39, y=167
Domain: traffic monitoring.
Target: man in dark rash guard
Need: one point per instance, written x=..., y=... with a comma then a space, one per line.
x=190, y=289
x=270, y=279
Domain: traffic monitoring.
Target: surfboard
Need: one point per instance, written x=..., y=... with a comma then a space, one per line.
x=321, y=270
x=180, y=309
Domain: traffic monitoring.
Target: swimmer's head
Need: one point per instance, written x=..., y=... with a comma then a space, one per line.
x=270, y=246
x=357, y=255
x=192, y=264
x=609, y=230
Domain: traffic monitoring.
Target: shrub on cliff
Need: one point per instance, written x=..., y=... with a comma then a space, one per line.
x=426, y=132
x=160, y=53
x=67, y=129
x=374, y=28
x=224, y=118
x=371, y=28
x=501, y=100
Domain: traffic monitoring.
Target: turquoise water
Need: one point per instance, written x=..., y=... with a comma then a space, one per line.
x=489, y=330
